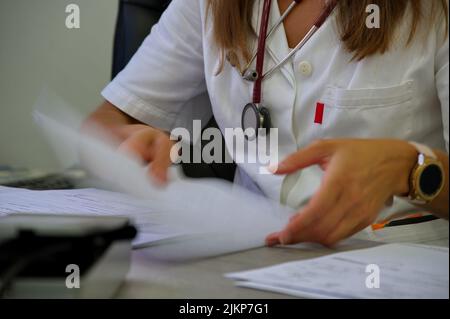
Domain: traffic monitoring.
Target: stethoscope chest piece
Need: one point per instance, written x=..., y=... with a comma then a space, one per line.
x=254, y=118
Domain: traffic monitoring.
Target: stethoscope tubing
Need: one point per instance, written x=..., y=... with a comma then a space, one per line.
x=317, y=24
x=272, y=31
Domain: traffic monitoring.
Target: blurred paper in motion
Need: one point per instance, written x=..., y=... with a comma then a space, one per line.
x=216, y=216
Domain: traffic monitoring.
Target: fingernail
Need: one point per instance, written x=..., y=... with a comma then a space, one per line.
x=273, y=168
x=162, y=178
x=272, y=241
x=159, y=177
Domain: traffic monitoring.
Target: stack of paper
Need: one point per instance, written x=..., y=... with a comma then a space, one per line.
x=387, y=271
x=88, y=202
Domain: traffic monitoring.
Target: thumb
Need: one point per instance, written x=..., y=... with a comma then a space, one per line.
x=161, y=161
x=139, y=145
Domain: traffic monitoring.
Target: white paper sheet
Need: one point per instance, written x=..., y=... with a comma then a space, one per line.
x=90, y=202
x=405, y=271
x=217, y=216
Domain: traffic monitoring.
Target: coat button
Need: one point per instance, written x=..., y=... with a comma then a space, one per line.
x=305, y=68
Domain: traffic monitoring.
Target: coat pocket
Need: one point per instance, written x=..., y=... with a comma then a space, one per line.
x=367, y=113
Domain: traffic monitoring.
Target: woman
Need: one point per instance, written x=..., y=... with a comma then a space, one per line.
x=347, y=104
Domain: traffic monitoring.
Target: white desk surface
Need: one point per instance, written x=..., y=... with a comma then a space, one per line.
x=203, y=279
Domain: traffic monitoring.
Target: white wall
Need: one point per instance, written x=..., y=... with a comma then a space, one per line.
x=38, y=51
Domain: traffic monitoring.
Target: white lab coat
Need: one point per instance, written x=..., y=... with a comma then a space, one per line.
x=403, y=94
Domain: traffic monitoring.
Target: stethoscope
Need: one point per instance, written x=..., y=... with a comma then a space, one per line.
x=255, y=116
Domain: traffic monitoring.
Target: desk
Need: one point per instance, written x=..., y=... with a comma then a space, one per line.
x=204, y=279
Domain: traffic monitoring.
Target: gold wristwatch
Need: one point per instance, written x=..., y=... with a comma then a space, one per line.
x=427, y=177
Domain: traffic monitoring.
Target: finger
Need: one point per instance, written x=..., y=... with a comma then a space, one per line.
x=161, y=161
x=273, y=239
x=361, y=217
x=139, y=145
x=324, y=226
x=320, y=204
x=319, y=230
x=311, y=155
x=347, y=228
x=149, y=146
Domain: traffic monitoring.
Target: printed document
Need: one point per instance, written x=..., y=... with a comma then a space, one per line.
x=386, y=271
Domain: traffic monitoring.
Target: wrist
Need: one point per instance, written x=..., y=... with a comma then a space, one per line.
x=407, y=160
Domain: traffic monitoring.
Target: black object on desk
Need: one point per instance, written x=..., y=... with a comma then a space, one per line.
x=35, y=251
x=35, y=179
x=47, y=182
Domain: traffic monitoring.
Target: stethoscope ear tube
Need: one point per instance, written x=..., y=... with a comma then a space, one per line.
x=246, y=74
x=271, y=31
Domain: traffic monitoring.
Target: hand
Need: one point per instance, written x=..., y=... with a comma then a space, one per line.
x=360, y=177
x=151, y=146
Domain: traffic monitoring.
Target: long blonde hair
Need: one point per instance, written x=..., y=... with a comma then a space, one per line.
x=232, y=24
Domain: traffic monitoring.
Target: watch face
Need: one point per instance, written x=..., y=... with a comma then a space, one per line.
x=431, y=180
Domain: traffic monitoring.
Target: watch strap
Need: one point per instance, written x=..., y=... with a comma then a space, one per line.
x=424, y=149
